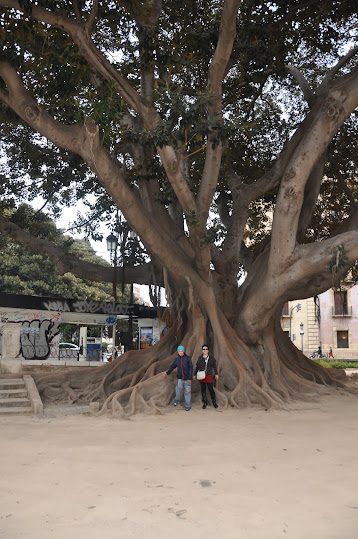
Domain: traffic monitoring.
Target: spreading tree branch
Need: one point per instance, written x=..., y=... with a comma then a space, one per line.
x=67, y=262
x=147, y=113
x=312, y=189
x=303, y=84
x=79, y=33
x=93, y=14
x=243, y=194
x=329, y=115
x=227, y=34
x=332, y=72
x=21, y=101
x=84, y=140
x=308, y=93
x=314, y=261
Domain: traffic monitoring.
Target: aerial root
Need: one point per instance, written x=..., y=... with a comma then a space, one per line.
x=279, y=388
x=247, y=393
x=237, y=397
x=221, y=399
x=137, y=403
x=269, y=374
x=109, y=402
x=146, y=397
x=97, y=394
x=117, y=410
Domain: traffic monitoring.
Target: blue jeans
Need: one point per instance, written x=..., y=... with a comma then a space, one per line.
x=187, y=392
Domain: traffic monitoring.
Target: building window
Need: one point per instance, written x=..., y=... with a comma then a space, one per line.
x=341, y=303
x=285, y=309
x=342, y=339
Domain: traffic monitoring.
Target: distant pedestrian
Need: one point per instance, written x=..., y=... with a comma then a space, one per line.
x=182, y=363
x=331, y=353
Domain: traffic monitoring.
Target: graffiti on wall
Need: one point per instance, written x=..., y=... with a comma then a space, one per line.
x=87, y=306
x=67, y=305
x=36, y=337
x=22, y=315
x=39, y=319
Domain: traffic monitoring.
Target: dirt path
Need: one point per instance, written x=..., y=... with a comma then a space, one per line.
x=199, y=474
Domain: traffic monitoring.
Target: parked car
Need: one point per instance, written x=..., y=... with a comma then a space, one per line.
x=68, y=350
x=69, y=345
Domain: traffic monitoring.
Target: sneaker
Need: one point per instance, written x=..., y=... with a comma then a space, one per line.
x=187, y=409
x=176, y=403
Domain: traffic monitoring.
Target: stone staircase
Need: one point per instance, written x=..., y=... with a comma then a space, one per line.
x=15, y=396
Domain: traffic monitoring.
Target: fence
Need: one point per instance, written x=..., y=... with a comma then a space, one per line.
x=44, y=351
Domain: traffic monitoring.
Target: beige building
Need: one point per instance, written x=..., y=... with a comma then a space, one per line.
x=330, y=320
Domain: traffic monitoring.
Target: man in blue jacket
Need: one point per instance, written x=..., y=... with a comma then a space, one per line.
x=182, y=363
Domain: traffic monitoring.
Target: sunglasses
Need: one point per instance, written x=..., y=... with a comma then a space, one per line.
x=205, y=348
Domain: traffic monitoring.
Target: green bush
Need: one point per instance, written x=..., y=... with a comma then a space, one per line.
x=336, y=364
x=344, y=364
x=325, y=364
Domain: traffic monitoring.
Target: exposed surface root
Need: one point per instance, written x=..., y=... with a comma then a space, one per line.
x=269, y=374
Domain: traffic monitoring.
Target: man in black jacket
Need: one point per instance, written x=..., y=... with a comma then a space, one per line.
x=182, y=363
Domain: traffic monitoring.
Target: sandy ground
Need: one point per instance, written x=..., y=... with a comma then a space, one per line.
x=199, y=474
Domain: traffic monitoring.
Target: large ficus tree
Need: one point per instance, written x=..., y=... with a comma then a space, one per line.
x=224, y=133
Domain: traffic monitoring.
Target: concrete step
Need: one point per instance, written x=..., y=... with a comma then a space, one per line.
x=11, y=403
x=11, y=383
x=16, y=410
x=13, y=393
x=19, y=396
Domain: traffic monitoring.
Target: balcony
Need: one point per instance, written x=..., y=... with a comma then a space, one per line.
x=342, y=311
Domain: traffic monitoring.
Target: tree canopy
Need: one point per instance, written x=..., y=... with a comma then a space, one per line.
x=224, y=131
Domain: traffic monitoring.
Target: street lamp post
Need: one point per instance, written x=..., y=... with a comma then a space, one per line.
x=298, y=307
x=132, y=236
x=112, y=244
x=301, y=333
x=123, y=240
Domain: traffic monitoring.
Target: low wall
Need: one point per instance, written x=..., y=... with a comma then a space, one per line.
x=17, y=366
x=344, y=354
x=58, y=363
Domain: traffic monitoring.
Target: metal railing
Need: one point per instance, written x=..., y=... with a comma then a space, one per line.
x=44, y=352
x=342, y=310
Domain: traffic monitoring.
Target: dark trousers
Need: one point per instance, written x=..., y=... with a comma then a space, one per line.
x=211, y=391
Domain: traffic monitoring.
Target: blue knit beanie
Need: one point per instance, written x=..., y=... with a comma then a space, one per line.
x=181, y=349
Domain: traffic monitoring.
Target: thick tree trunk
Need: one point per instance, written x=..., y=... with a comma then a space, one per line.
x=269, y=373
